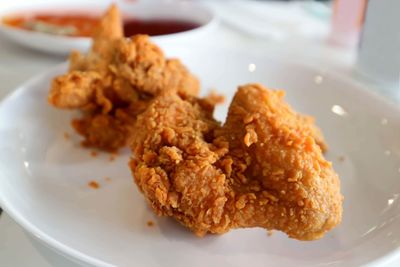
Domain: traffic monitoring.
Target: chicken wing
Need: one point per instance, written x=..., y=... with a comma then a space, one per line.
x=263, y=168
x=277, y=167
x=115, y=81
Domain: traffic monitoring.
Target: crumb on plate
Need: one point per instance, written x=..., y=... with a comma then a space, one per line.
x=66, y=136
x=93, y=153
x=112, y=157
x=94, y=185
x=150, y=223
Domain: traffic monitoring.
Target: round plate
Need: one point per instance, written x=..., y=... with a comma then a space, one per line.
x=44, y=176
x=57, y=44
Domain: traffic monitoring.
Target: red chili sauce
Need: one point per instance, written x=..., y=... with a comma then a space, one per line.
x=80, y=25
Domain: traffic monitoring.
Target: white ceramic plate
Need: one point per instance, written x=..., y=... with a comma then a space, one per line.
x=43, y=177
x=56, y=44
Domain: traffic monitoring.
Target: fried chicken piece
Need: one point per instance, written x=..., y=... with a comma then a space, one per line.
x=74, y=89
x=277, y=166
x=175, y=165
x=117, y=76
x=263, y=168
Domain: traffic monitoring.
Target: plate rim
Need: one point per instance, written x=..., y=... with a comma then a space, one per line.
x=27, y=226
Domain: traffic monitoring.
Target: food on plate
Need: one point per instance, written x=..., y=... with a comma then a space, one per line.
x=66, y=136
x=115, y=81
x=262, y=168
x=94, y=185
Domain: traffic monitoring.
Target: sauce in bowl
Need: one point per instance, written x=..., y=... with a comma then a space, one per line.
x=83, y=25
x=70, y=25
x=157, y=26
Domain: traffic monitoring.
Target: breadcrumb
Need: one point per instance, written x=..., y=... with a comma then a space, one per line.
x=150, y=223
x=112, y=157
x=66, y=136
x=94, y=185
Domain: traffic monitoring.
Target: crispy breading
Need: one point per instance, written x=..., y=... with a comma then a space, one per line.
x=262, y=168
x=74, y=89
x=278, y=167
x=174, y=165
x=116, y=75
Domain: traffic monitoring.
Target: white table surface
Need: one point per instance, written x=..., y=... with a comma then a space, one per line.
x=18, y=64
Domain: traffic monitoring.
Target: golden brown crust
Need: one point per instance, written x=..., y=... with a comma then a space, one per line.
x=105, y=131
x=74, y=90
x=117, y=75
x=284, y=180
x=110, y=25
x=144, y=65
x=263, y=168
x=174, y=165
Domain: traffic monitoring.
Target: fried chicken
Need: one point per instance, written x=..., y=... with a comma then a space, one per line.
x=262, y=168
x=276, y=167
x=115, y=81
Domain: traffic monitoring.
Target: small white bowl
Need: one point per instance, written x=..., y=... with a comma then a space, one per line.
x=57, y=44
